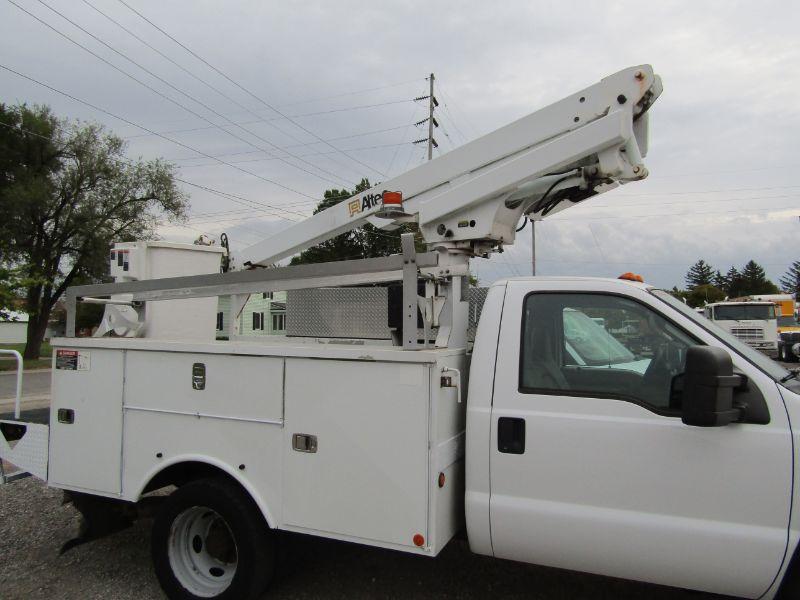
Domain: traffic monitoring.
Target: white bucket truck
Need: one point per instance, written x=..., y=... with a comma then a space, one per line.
x=553, y=440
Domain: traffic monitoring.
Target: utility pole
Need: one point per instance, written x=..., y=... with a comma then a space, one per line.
x=431, y=120
x=533, y=247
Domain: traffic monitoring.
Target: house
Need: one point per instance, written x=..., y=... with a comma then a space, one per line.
x=263, y=314
x=13, y=327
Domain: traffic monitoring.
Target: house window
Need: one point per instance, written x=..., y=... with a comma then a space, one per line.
x=266, y=296
x=278, y=322
x=220, y=321
x=258, y=321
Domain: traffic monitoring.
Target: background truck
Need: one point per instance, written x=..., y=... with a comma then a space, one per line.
x=788, y=325
x=550, y=438
x=754, y=322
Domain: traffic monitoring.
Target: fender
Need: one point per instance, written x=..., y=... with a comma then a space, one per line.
x=232, y=472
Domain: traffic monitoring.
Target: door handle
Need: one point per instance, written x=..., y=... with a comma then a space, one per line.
x=303, y=442
x=511, y=435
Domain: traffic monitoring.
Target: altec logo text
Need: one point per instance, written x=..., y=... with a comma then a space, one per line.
x=359, y=205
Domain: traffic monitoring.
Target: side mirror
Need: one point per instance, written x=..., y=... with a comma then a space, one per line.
x=708, y=388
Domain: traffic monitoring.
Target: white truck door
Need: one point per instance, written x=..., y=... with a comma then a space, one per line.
x=592, y=468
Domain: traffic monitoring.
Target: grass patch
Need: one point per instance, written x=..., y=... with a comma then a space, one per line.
x=30, y=363
x=46, y=350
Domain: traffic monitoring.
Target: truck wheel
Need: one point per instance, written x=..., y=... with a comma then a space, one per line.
x=211, y=541
x=790, y=356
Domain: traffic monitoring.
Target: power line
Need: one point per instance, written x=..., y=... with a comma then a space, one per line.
x=254, y=205
x=323, y=112
x=723, y=191
x=344, y=137
x=247, y=91
x=172, y=224
x=451, y=101
x=402, y=137
x=143, y=128
x=449, y=115
x=626, y=262
x=217, y=90
x=678, y=214
x=234, y=197
x=167, y=83
x=774, y=168
x=354, y=92
x=256, y=111
x=309, y=154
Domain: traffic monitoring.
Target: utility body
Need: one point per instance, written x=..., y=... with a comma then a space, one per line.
x=591, y=424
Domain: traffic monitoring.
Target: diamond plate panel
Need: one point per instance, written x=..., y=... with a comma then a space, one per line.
x=338, y=313
x=355, y=313
x=476, y=296
x=30, y=452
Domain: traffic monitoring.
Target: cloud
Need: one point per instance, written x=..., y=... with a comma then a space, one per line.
x=727, y=119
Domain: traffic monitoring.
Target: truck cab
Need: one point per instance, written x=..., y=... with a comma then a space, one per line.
x=753, y=322
x=579, y=454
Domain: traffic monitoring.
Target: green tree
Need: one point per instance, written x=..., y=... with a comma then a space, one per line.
x=700, y=295
x=700, y=273
x=754, y=280
x=8, y=296
x=365, y=242
x=719, y=280
x=790, y=282
x=732, y=282
x=67, y=193
x=681, y=295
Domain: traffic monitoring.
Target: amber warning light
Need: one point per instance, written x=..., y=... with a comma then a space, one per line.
x=391, y=205
x=631, y=277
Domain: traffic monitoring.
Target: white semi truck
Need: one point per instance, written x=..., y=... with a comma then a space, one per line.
x=755, y=322
x=665, y=454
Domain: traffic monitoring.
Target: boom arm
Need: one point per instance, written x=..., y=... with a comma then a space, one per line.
x=471, y=199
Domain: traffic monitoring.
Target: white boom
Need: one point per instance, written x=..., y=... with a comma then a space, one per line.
x=470, y=200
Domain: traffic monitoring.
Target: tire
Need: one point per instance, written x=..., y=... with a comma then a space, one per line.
x=790, y=356
x=210, y=540
x=785, y=353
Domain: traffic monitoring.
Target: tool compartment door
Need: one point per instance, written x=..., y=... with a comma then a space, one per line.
x=86, y=439
x=365, y=475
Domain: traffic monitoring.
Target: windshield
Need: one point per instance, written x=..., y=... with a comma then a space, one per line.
x=788, y=322
x=744, y=312
x=763, y=362
x=592, y=342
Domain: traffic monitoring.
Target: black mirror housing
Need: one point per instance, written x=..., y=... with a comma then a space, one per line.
x=708, y=388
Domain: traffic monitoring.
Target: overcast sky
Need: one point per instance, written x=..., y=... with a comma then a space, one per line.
x=724, y=134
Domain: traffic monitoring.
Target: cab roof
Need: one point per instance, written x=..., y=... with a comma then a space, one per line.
x=567, y=278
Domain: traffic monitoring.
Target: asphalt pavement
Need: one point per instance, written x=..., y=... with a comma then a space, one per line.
x=34, y=383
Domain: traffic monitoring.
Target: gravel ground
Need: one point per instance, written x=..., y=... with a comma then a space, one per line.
x=34, y=525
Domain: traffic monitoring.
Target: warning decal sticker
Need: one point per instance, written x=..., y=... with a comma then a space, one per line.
x=72, y=360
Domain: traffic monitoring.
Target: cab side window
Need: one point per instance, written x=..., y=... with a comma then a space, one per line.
x=599, y=345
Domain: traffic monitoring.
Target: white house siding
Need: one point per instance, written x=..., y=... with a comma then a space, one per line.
x=12, y=332
x=262, y=306
x=224, y=313
x=255, y=304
